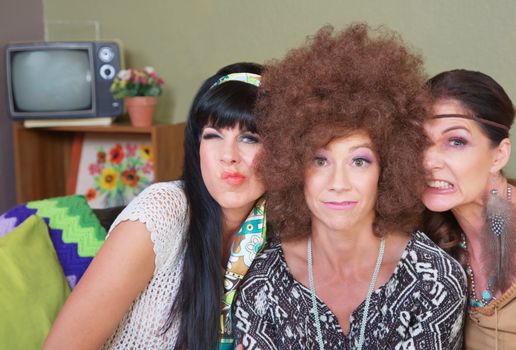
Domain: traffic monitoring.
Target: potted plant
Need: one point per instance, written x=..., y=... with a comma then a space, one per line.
x=140, y=89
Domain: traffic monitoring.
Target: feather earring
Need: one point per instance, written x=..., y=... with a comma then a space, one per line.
x=498, y=212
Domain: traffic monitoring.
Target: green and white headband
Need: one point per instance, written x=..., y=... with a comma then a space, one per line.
x=249, y=78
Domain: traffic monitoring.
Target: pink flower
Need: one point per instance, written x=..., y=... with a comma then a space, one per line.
x=131, y=149
x=148, y=168
x=95, y=169
x=136, y=82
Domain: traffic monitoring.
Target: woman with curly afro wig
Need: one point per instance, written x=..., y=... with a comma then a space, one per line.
x=341, y=120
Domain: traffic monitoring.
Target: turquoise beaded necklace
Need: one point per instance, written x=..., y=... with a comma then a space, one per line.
x=487, y=294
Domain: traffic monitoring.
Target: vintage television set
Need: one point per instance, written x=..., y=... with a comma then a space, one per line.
x=58, y=80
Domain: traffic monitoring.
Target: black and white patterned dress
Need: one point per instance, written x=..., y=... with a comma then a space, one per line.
x=420, y=307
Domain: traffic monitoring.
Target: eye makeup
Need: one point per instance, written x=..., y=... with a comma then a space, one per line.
x=364, y=153
x=209, y=133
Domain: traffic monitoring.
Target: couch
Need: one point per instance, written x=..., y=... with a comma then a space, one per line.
x=45, y=247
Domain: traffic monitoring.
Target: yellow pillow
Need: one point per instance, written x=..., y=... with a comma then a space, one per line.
x=33, y=287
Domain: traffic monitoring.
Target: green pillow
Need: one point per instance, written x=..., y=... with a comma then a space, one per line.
x=33, y=287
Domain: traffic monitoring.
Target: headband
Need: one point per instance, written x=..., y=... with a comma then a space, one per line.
x=249, y=78
x=472, y=117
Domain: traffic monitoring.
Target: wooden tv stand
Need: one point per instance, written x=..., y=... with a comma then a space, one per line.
x=42, y=155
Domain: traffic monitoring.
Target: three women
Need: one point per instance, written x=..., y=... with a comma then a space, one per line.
x=342, y=126
x=342, y=165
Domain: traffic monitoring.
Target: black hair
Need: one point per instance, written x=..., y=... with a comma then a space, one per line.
x=481, y=95
x=198, y=302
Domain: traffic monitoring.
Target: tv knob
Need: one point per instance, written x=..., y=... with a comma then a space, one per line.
x=106, y=54
x=107, y=72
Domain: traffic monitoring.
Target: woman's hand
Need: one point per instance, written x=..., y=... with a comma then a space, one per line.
x=239, y=347
x=117, y=275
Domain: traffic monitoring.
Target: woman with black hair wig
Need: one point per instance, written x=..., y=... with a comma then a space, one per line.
x=157, y=282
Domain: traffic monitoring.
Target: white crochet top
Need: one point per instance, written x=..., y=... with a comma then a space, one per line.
x=162, y=207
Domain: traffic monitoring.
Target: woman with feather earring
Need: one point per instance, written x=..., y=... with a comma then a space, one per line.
x=469, y=200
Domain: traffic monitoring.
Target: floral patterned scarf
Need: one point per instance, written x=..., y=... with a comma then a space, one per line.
x=247, y=244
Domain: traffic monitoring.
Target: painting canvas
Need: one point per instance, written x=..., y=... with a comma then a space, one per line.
x=113, y=169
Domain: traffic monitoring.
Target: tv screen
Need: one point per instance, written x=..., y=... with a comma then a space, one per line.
x=52, y=80
x=62, y=79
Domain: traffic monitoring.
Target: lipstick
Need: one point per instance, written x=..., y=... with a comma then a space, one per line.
x=233, y=178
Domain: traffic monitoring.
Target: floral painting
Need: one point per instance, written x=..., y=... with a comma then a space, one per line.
x=113, y=170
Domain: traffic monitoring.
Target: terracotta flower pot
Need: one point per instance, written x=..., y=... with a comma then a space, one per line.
x=141, y=109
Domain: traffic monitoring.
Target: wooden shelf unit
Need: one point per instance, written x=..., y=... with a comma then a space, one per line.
x=42, y=155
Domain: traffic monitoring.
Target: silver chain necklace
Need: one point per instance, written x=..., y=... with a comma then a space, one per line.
x=367, y=301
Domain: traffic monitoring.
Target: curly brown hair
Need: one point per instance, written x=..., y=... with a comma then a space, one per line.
x=335, y=85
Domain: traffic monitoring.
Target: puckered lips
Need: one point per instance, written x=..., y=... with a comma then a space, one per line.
x=340, y=205
x=439, y=186
x=233, y=178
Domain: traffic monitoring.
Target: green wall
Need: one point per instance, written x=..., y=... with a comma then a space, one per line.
x=188, y=40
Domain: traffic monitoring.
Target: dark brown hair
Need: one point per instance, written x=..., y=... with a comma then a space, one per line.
x=482, y=96
x=335, y=85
